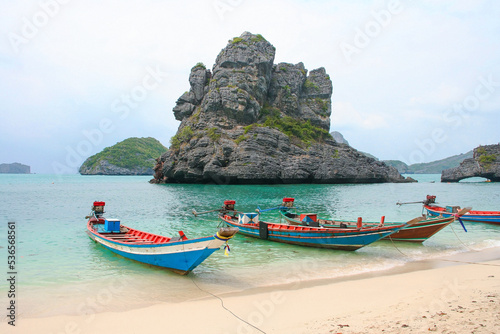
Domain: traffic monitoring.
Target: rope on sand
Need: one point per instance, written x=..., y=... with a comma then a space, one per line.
x=225, y=308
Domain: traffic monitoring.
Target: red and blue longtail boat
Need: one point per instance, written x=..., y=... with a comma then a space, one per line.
x=416, y=230
x=312, y=235
x=178, y=254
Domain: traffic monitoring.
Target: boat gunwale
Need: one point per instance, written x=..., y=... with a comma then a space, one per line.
x=297, y=229
x=141, y=242
x=375, y=226
x=479, y=213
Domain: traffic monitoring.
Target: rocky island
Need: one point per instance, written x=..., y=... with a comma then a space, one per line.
x=249, y=120
x=133, y=156
x=484, y=163
x=14, y=168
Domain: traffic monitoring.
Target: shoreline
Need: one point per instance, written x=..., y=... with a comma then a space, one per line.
x=467, y=258
x=433, y=293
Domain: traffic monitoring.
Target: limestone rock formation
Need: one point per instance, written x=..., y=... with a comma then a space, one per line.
x=484, y=163
x=338, y=137
x=252, y=121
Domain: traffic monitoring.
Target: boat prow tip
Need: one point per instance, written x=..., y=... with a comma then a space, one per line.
x=227, y=232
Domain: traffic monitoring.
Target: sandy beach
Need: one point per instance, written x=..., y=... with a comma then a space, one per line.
x=463, y=297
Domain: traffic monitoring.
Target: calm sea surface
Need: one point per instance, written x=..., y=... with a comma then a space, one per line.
x=61, y=271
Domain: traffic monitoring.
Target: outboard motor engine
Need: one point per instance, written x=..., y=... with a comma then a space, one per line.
x=430, y=199
x=229, y=205
x=98, y=209
x=288, y=202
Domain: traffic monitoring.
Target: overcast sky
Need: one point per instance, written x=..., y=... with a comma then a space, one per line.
x=415, y=81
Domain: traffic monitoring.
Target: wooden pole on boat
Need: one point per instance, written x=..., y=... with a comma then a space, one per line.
x=414, y=220
x=461, y=213
x=200, y=213
x=430, y=199
x=401, y=203
x=220, y=210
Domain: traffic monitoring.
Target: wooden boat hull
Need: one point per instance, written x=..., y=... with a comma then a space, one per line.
x=180, y=256
x=421, y=231
x=320, y=237
x=489, y=217
x=415, y=232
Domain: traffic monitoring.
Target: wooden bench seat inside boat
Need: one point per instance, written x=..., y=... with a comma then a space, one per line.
x=133, y=238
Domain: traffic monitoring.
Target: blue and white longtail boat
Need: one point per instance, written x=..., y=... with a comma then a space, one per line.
x=178, y=254
x=345, y=238
x=466, y=214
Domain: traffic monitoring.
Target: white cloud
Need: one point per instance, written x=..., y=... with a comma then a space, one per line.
x=345, y=115
x=443, y=95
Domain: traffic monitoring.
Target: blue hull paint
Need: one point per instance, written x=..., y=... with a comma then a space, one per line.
x=181, y=261
x=181, y=256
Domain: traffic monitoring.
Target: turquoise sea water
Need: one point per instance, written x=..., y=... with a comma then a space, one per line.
x=61, y=271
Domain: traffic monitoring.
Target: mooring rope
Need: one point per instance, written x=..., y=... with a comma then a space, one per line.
x=225, y=308
x=221, y=301
x=397, y=247
x=470, y=249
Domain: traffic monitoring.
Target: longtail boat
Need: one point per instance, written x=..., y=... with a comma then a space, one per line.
x=311, y=234
x=416, y=230
x=490, y=217
x=178, y=254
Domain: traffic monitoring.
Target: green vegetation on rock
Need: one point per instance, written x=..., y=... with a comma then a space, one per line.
x=131, y=153
x=485, y=159
x=200, y=65
x=182, y=137
x=293, y=128
x=238, y=40
x=258, y=38
x=214, y=134
x=310, y=85
x=298, y=131
x=240, y=139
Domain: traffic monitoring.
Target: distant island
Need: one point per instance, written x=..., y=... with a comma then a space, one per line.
x=15, y=168
x=133, y=156
x=434, y=167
